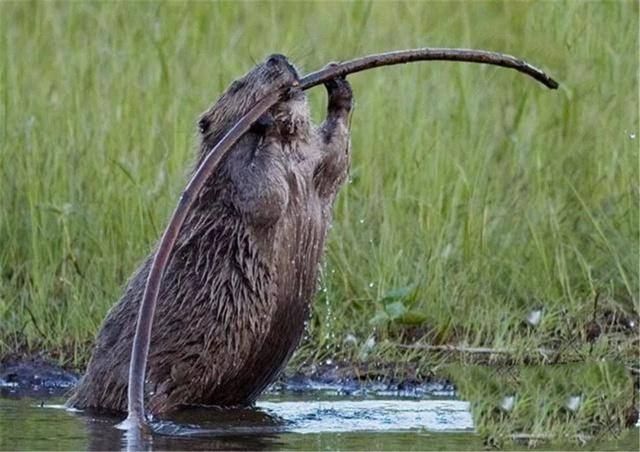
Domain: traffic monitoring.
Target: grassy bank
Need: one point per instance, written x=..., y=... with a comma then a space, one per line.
x=476, y=196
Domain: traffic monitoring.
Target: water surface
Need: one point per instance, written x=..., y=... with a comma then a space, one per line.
x=327, y=421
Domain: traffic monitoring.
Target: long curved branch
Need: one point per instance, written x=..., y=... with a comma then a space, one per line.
x=425, y=54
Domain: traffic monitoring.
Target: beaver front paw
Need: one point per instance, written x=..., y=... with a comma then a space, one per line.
x=339, y=92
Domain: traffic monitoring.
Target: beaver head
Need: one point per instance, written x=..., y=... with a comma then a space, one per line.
x=291, y=115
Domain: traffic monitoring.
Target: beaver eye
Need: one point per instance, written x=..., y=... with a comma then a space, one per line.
x=203, y=125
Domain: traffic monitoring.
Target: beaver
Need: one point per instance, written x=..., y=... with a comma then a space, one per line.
x=237, y=292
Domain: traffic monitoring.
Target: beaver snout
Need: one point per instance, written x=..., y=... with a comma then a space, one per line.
x=281, y=65
x=279, y=60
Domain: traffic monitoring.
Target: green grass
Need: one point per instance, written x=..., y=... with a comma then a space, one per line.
x=475, y=196
x=573, y=402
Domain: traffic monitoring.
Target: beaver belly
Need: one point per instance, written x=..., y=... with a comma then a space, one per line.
x=297, y=250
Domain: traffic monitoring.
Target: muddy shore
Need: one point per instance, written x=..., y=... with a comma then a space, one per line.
x=38, y=377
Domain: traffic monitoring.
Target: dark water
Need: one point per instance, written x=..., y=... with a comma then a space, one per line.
x=323, y=421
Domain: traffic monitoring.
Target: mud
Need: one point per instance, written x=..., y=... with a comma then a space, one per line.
x=34, y=377
x=37, y=377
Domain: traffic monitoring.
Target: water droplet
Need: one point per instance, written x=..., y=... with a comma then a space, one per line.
x=632, y=135
x=328, y=362
x=361, y=221
x=371, y=285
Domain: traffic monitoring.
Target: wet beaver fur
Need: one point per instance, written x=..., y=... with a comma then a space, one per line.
x=237, y=291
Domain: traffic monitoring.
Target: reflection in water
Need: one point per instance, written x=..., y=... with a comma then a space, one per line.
x=192, y=429
x=307, y=422
x=261, y=427
x=280, y=422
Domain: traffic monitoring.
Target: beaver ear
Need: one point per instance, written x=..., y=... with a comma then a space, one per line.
x=203, y=125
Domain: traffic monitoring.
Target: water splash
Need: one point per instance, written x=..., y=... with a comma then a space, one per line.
x=372, y=415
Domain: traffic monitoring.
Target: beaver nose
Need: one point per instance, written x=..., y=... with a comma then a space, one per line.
x=280, y=61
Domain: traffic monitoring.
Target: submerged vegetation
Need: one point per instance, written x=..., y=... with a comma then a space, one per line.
x=487, y=220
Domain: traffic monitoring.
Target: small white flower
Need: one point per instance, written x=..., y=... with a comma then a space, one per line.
x=508, y=402
x=370, y=343
x=534, y=317
x=573, y=402
x=350, y=339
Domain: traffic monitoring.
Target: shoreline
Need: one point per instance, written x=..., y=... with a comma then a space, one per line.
x=34, y=376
